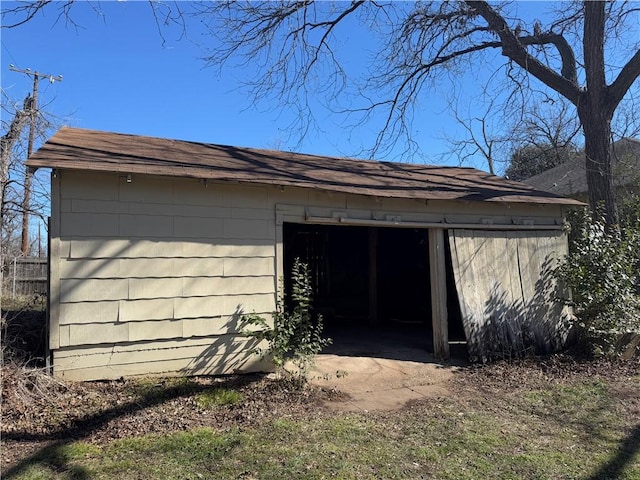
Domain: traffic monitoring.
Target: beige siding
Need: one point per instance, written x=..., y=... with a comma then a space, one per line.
x=146, y=189
x=95, y=206
x=203, y=327
x=89, y=312
x=199, y=287
x=89, y=224
x=89, y=186
x=229, y=305
x=56, y=252
x=158, y=259
x=88, y=268
x=210, y=356
x=202, y=267
x=87, y=334
x=85, y=248
x=167, y=261
x=143, y=268
x=198, y=227
x=92, y=290
x=146, y=226
x=193, y=192
x=146, y=310
x=234, y=196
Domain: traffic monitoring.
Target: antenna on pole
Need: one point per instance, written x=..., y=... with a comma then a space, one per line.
x=33, y=112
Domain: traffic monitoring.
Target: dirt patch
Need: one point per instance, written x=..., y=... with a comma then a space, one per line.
x=381, y=383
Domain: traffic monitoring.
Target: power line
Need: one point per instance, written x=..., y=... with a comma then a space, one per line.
x=9, y=53
x=33, y=111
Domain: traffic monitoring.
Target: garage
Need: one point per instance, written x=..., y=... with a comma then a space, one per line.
x=159, y=247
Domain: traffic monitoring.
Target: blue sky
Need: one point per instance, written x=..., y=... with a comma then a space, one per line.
x=118, y=76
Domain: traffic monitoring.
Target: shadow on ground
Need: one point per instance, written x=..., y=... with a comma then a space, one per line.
x=53, y=456
x=398, y=341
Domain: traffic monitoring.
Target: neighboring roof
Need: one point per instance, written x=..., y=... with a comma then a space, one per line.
x=570, y=178
x=79, y=149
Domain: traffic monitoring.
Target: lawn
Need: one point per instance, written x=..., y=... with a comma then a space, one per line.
x=552, y=418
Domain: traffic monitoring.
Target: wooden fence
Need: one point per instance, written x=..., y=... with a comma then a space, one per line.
x=24, y=276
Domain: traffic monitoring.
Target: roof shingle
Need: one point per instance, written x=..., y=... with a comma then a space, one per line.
x=80, y=149
x=570, y=178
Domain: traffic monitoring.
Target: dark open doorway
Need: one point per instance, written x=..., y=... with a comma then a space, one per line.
x=369, y=281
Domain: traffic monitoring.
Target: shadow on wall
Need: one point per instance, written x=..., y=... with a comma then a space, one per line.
x=230, y=353
x=515, y=327
x=97, y=275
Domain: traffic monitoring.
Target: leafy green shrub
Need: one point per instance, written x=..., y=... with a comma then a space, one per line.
x=603, y=272
x=295, y=334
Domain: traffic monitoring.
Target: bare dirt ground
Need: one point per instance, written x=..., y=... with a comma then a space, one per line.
x=383, y=368
x=375, y=384
x=38, y=410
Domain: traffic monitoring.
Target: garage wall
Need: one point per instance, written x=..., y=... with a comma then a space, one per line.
x=153, y=275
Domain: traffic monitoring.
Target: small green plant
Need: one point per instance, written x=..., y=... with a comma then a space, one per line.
x=150, y=388
x=218, y=397
x=296, y=334
x=603, y=272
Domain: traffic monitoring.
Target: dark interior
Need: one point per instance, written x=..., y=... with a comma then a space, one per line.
x=456, y=330
x=340, y=260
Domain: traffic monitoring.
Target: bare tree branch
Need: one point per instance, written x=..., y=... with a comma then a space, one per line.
x=627, y=76
x=294, y=49
x=27, y=10
x=515, y=51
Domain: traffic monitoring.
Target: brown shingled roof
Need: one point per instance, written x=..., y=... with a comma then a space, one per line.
x=79, y=149
x=570, y=178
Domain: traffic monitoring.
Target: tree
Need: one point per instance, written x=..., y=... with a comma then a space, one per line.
x=544, y=138
x=7, y=143
x=538, y=139
x=295, y=48
x=478, y=141
x=9, y=197
x=531, y=160
x=14, y=141
x=421, y=40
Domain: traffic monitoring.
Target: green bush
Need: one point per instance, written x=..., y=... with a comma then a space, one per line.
x=602, y=271
x=296, y=334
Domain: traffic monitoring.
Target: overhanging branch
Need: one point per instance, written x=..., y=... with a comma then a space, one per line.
x=629, y=74
x=569, y=70
x=514, y=49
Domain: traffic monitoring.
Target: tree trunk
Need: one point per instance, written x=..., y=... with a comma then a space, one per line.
x=595, y=109
x=596, y=123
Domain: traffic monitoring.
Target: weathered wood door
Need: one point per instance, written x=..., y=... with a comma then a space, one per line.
x=509, y=298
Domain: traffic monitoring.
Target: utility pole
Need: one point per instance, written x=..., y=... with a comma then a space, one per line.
x=26, y=202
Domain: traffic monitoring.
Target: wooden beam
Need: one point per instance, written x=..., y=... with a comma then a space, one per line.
x=53, y=312
x=439, y=314
x=373, y=275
